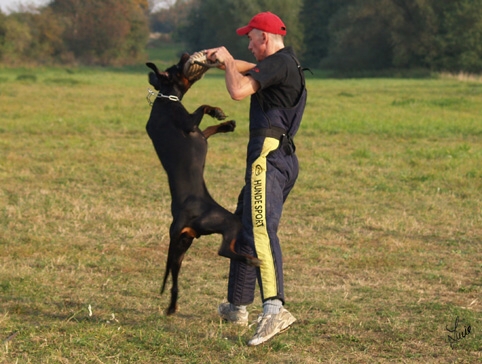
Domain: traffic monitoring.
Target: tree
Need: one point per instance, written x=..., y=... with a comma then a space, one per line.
x=15, y=38
x=459, y=37
x=47, y=31
x=316, y=16
x=413, y=25
x=359, y=37
x=212, y=23
x=378, y=34
x=167, y=20
x=103, y=31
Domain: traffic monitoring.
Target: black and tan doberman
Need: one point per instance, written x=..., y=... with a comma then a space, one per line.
x=181, y=147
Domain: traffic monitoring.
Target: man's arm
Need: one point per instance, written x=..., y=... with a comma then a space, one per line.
x=243, y=66
x=238, y=85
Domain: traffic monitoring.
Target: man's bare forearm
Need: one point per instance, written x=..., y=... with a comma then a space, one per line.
x=244, y=66
x=238, y=85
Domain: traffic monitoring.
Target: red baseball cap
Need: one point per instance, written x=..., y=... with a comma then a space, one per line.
x=267, y=22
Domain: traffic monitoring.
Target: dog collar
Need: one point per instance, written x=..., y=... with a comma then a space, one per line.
x=151, y=94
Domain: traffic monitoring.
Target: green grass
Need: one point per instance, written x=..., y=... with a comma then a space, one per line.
x=381, y=235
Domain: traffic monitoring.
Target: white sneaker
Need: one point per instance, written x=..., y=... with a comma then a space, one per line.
x=270, y=325
x=237, y=317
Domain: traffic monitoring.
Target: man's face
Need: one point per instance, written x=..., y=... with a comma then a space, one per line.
x=257, y=44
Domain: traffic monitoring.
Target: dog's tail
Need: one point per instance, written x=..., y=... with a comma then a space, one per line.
x=166, y=276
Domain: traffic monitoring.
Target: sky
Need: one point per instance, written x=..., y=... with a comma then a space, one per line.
x=7, y=5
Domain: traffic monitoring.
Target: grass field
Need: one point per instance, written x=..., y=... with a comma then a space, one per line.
x=381, y=235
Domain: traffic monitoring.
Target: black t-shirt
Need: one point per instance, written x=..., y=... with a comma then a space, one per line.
x=280, y=80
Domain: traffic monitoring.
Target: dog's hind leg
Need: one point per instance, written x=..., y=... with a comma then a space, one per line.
x=177, y=249
x=227, y=248
x=217, y=220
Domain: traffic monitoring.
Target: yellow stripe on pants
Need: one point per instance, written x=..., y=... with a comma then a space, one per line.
x=258, y=212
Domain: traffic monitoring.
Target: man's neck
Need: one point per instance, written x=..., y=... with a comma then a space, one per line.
x=273, y=48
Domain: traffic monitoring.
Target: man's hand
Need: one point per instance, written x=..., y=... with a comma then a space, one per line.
x=220, y=54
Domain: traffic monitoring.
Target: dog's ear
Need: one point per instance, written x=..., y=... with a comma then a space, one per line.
x=184, y=58
x=154, y=80
x=153, y=67
x=156, y=77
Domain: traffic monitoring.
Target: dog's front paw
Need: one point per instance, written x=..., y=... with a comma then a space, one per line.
x=217, y=113
x=227, y=126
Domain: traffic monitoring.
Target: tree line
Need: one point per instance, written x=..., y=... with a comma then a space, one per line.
x=101, y=32
x=441, y=35
x=346, y=35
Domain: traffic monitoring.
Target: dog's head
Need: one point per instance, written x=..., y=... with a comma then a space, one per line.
x=172, y=81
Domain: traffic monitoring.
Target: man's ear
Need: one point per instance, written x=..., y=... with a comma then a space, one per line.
x=265, y=37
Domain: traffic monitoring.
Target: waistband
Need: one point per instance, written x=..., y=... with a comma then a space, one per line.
x=273, y=132
x=286, y=140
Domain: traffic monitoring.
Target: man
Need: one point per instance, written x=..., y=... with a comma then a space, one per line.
x=278, y=97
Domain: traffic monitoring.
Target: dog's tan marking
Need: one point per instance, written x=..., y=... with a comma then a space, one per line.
x=190, y=232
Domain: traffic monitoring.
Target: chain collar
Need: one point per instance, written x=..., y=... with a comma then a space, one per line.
x=151, y=94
